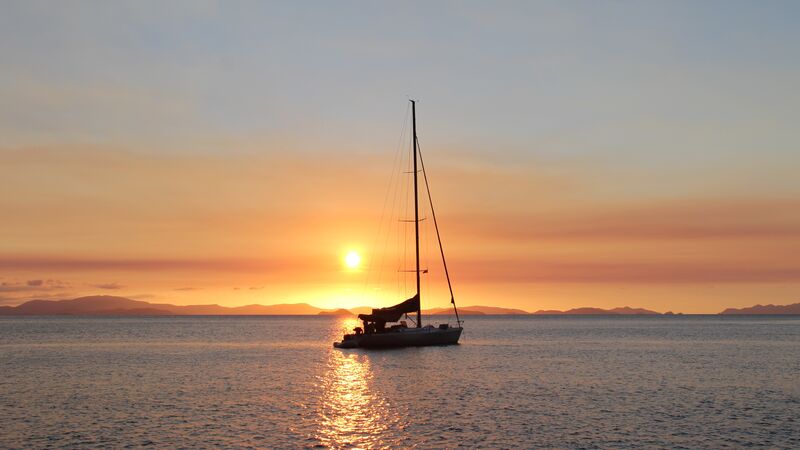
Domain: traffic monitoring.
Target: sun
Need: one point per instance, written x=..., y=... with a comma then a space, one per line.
x=352, y=259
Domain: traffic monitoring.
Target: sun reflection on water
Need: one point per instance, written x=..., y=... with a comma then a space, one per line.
x=353, y=413
x=347, y=324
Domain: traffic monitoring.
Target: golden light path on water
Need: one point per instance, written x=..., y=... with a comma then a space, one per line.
x=353, y=412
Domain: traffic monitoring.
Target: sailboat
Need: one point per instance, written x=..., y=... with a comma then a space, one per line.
x=375, y=333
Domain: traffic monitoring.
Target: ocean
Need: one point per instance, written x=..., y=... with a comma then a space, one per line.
x=514, y=382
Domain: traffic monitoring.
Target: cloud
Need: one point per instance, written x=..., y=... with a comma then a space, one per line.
x=672, y=272
x=108, y=286
x=674, y=219
x=189, y=288
x=17, y=291
x=18, y=299
x=32, y=286
x=135, y=264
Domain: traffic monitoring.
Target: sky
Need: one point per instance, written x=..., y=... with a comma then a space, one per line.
x=600, y=154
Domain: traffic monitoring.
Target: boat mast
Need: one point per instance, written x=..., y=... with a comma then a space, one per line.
x=416, y=205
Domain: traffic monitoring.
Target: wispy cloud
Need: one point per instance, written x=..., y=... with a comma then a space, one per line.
x=659, y=220
x=632, y=272
x=37, y=285
x=136, y=264
x=14, y=292
x=110, y=286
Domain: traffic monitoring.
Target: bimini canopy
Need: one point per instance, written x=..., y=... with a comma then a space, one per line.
x=392, y=313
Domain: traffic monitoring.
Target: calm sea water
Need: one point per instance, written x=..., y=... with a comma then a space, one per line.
x=514, y=382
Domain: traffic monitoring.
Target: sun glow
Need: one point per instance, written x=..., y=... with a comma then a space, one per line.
x=352, y=259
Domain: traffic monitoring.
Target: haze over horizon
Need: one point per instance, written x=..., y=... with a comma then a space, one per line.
x=581, y=154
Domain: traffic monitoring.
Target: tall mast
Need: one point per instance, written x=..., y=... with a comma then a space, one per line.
x=416, y=206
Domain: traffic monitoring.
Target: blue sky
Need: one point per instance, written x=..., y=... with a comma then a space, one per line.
x=495, y=72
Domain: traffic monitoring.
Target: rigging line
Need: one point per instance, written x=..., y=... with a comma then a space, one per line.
x=399, y=197
x=425, y=232
x=392, y=233
x=407, y=193
x=397, y=205
x=438, y=236
x=402, y=193
x=391, y=187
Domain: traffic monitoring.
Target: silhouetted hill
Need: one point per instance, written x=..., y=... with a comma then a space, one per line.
x=299, y=309
x=449, y=311
x=360, y=310
x=337, y=312
x=793, y=309
x=464, y=311
x=132, y=312
x=624, y=311
x=493, y=310
x=98, y=304
x=111, y=305
x=477, y=310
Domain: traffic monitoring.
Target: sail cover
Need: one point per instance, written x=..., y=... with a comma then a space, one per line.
x=392, y=313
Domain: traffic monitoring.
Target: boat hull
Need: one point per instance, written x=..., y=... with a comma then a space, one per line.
x=409, y=337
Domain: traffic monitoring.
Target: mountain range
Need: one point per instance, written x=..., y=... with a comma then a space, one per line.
x=112, y=305
x=793, y=309
x=624, y=311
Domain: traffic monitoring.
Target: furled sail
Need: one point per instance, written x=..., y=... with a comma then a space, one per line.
x=392, y=313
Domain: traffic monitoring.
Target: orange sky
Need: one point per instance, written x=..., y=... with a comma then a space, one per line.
x=573, y=166
x=261, y=229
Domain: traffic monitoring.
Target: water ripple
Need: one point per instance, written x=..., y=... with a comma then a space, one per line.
x=515, y=383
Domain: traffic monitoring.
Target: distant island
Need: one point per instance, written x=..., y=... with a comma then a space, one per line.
x=793, y=309
x=109, y=305
x=113, y=306
x=477, y=311
x=624, y=311
x=336, y=312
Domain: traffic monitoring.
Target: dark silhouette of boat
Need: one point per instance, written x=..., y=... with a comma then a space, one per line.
x=375, y=333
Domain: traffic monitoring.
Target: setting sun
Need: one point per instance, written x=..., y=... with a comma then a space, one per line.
x=352, y=259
